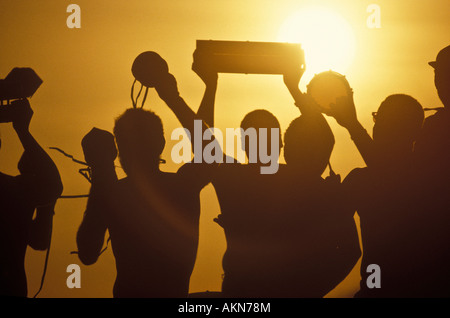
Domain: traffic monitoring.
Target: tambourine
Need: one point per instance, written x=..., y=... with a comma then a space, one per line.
x=147, y=68
x=326, y=87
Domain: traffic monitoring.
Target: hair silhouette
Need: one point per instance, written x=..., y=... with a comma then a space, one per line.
x=398, y=123
x=257, y=119
x=309, y=142
x=140, y=139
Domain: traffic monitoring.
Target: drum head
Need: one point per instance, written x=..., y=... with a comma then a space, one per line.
x=148, y=67
x=326, y=87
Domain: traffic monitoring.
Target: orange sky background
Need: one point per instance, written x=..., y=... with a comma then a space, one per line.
x=87, y=81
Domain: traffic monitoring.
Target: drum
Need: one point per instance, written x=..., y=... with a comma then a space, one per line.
x=148, y=67
x=326, y=87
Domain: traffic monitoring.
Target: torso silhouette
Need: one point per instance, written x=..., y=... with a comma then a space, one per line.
x=432, y=158
x=279, y=239
x=318, y=233
x=153, y=226
x=391, y=229
x=247, y=201
x=432, y=150
x=16, y=214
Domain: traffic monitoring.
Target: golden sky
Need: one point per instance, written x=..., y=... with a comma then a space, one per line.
x=87, y=80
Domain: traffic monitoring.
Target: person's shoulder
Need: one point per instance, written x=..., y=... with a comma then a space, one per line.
x=7, y=181
x=19, y=180
x=356, y=176
x=441, y=115
x=236, y=170
x=122, y=181
x=121, y=184
x=440, y=112
x=358, y=171
x=167, y=175
x=227, y=165
x=190, y=170
x=4, y=176
x=195, y=175
x=435, y=127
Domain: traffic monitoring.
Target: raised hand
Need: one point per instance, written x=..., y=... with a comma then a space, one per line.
x=204, y=71
x=167, y=88
x=305, y=103
x=21, y=114
x=344, y=111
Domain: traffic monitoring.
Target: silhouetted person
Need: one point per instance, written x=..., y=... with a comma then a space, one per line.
x=37, y=187
x=245, y=196
x=432, y=158
x=433, y=146
x=152, y=216
x=384, y=195
x=260, y=217
x=317, y=233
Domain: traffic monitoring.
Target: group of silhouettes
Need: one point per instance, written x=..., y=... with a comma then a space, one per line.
x=288, y=234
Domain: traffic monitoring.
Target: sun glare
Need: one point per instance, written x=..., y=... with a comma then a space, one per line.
x=326, y=38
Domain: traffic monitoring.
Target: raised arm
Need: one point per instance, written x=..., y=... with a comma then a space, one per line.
x=305, y=104
x=39, y=176
x=343, y=111
x=209, y=77
x=168, y=91
x=100, y=153
x=201, y=170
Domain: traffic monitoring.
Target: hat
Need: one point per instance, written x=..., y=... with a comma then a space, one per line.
x=442, y=59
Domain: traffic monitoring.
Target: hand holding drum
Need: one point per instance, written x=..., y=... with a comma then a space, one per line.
x=149, y=69
x=334, y=96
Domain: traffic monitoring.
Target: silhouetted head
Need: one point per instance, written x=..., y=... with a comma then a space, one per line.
x=442, y=75
x=308, y=143
x=99, y=147
x=398, y=122
x=257, y=119
x=140, y=140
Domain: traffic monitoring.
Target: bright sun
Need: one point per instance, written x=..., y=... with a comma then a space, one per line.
x=325, y=36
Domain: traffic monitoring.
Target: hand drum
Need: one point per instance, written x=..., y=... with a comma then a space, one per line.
x=326, y=87
x=148, y=67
